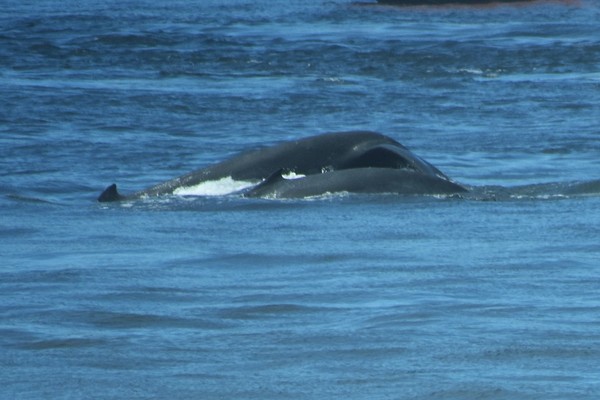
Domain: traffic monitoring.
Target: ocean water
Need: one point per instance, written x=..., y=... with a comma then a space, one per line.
x=214, y=296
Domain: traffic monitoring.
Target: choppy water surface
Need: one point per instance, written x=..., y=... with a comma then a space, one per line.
x=381, y=297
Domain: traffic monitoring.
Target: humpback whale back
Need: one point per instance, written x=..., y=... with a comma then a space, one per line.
x=310, y=156
x=356, y=180
x=391, y=156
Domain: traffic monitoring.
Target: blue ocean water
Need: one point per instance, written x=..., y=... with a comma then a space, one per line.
x=219, y=297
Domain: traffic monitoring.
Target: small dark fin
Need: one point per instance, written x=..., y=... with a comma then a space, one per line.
x=392, y=156
x=110, y=194
x=381, y=156
x=263, y=187
x=275, y=177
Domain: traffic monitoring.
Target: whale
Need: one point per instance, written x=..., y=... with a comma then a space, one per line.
x=369, y=180
x=310, y=157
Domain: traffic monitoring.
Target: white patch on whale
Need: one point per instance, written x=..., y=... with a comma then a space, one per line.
x=292, y=175
x=223, y=186
x=219, y=187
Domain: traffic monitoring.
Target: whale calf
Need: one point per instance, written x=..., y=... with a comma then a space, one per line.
x=355, y=180
x=314, y=157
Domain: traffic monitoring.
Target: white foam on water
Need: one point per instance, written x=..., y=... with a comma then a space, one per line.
x=220, y=187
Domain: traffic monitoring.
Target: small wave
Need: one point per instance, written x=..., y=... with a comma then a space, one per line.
x=542, y=191
x=471, y=71
x=549, y=77
x=61, y=343
x=27, y=199
x=214, y=188
x=266, y=310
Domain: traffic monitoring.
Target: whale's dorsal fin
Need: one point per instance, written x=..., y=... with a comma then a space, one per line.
x=110, y=194
x=380, y=156
x=275, y=177
x=391, y=156
x=265, y=186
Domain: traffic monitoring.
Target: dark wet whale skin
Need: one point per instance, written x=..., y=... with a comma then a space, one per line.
x=309, y=156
